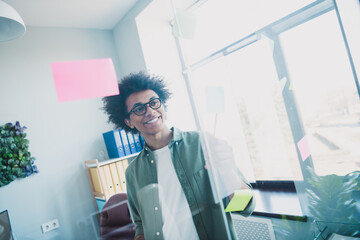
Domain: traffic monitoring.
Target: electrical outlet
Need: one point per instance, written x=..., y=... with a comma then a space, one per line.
x=51, y=225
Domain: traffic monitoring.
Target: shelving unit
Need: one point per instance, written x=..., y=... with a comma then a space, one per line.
x=107, y=178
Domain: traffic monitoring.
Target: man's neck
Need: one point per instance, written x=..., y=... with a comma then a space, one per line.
x=159, y=140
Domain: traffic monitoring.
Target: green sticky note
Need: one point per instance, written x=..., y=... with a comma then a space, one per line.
x=240, y=200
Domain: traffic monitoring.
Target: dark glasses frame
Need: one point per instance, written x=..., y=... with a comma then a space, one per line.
x=133, y=110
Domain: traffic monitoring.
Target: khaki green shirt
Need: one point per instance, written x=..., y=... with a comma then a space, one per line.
x=143, y=196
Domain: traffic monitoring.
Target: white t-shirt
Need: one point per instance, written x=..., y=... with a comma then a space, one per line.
x=177, y=218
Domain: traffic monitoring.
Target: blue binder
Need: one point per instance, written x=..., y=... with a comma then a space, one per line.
x=137, y=142
x=125, y=142
x=131, y=143
x=113, y=144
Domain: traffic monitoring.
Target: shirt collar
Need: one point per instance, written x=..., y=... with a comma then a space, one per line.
x=177, y=137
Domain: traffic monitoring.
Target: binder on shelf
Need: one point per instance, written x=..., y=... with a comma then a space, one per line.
x=101, y=181
x=121, y=171
x=137, y=143
x=108, y=180
x=113, y=144
x=125, y=164
x=115, y=178
x=131, y=143
x=142, y=140
x=96, y=180
x=125, y=142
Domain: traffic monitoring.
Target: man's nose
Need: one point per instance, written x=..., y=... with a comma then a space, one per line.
x=149, y=110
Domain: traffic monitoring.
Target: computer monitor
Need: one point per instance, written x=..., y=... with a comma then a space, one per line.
x=5, y=227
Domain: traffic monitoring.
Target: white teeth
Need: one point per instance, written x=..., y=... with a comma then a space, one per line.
x=152, y=121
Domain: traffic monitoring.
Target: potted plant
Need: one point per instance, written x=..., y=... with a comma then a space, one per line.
x=15, y=159
x=332, y=205
x=332, y=201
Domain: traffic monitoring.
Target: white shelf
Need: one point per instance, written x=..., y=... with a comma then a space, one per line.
x=112, y=160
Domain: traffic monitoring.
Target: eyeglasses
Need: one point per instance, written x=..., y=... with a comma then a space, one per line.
x=141, y=109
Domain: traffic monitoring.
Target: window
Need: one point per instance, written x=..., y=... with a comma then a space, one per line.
x=326, y=94
x=284, y=95
x=253, y=118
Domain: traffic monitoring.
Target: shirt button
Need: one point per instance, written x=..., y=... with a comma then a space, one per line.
x=158, y=233
x=152, y=161
x=156, y=208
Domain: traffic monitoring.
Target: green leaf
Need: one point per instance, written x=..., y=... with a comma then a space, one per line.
x=14, y=154
x=330, y=197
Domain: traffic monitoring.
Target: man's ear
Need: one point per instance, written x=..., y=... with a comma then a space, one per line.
x=128, y=122
x=166, y=115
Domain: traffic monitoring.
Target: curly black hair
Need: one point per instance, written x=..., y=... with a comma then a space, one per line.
x=115, y=106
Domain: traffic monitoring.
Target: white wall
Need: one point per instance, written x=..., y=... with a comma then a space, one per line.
x=62, y=135
x=127, y=41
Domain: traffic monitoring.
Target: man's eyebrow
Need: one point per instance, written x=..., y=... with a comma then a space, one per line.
x=136, y=104
x=152, y=98
x=139, y=103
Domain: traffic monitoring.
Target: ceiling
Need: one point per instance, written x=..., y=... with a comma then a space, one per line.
x=94, y=14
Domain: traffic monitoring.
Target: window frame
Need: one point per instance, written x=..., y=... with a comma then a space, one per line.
x=272, y=31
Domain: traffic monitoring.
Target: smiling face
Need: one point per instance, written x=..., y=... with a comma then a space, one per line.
x=153, y=121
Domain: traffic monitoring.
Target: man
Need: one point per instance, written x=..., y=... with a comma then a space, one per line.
x=168, y=186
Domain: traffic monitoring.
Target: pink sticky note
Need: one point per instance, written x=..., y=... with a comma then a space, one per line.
x=82, y=79
x=304, y=148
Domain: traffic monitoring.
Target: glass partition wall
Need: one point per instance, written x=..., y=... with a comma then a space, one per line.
x=281, y=89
